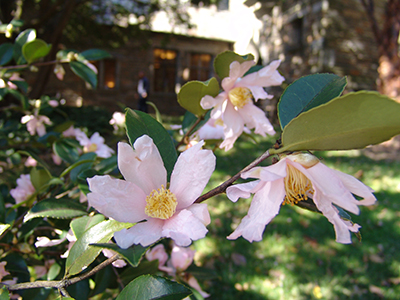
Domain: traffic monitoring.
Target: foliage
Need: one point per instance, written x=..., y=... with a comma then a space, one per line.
x=52, y=162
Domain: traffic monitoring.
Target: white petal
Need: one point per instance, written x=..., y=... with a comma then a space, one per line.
x=118, y=199
x=341, y=229
x=254, y=117
x=270, y=173
x=267, y=76
x=142, y=166
x=241, y=190
x=184, y=227
x=357, y=187
x=264, y=207
x=325, y=180
x=191, y=174
x=200, y=211
x=233, y=126
x=145, y=233
x=208, y=102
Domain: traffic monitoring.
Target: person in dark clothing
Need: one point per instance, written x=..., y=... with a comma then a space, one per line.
x=143, y=91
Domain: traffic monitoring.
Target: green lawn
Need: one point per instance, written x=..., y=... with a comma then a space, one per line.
x=298, y=257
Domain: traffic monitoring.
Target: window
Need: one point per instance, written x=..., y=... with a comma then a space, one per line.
x=200, y=67
x=165, y=70
x=107, y=74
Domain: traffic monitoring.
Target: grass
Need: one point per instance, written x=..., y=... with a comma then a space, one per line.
x=298, y=257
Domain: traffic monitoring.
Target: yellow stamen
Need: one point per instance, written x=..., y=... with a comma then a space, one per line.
x=240, y=96
x=90, y=148
x=161, y=204
x=297, y=185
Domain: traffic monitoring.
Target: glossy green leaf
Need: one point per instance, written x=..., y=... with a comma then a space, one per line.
x=308, y=92
x=80, y=225
x=6, y=53
x=94, y=54
x=153, y=287
x=353, y=121
x=190, y=119
x=85, y=162
x=35, y=50
x=82, y=254
x=24, y=37
x=56, y=208
x=132, y=255
x=22, y=85
x=39, y=177
x=139, y=123
x=144, y=268
x=66, y=150
x=191, y=93
x=84, y=72
x=223, y=61
x=4, y=294
x=53, y=272
x=3, y=227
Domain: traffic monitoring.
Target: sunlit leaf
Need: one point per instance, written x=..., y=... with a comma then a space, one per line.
x=191, y=93
x=56, y=208
x=35, y=50
x=308, y=92
x=3, y=227
x=24, y=37
x=153, y=287
x=82, y=254
x=132, y=255
x=353, y=121
x=39, y=177
x=139, y=123
x=80, y=225
x=84, y=72
x=223, y=61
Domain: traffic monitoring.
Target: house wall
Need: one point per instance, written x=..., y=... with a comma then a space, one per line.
x=129, y=60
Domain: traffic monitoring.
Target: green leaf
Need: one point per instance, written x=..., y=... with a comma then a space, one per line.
x=144, y=268
x=36, y=157
x=353, y=121
x=56, y=208
x=66, y=150
x=192, y=92
x=35, y=50
x=107, y=165
x=308, y=92
x=22, y=98
x=82, y=254
x=24, y=37
x=223, y=61
x=153, y=287
x=4, y=294
x=53, y=272
x=139, y=123
x=84, y=72
x=6, y=53
x=190, y=119
x=22, y=85
x=3, y=227
x=132, y=255
x=80, y=166
x=39, y=177
x=80, y=225
x=94, y=54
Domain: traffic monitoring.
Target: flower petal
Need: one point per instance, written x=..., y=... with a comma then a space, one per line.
x=208, y=102
x=236, y=70
x=142, y=166
x=184, y=227
x=119, y=199
x=191, y=174
x=267, y=76
x=270, y=173
x=264, y=207
x=233, y=126
x=254, y=117
x=242, y=190
x=145, y=233
x=200, y=211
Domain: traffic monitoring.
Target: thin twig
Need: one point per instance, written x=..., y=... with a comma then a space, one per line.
x=222, y=188
x=189, y=131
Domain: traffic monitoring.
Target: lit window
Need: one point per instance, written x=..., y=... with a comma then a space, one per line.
x=107, y=74
x=165, y=70
x=200, y=66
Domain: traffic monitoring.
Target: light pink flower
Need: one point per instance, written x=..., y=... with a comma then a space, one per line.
x=71, y=132
x=158, y=252
x=181, y=257
x=118, y=120
x=295, y=178
x=23, y=190
x=35, y=123
x=3, y=271
x=59, y=71
x=235, y=104
x=30, y=162
x=94, y=144
x=212, y=130
x=144, y=196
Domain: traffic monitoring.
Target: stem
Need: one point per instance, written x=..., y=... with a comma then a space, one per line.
x=189, y=131
x=62, y=284
x=222, y=188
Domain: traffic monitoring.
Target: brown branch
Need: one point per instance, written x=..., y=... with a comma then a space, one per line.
x=222, y=188
x=189, y=131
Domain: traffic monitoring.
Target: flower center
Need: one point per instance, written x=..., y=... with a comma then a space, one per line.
x=297, y=185
x=240, y=96
x=161, y=204
x=91, y=148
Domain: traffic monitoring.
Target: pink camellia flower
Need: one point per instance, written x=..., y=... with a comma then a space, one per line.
x=23, y=190
x=144, y=194
x=35, y=123
x=212, y=130
x=94, y=144
x=235, y=104
x=181, y=257
x=295, y=178
x=158, y=252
